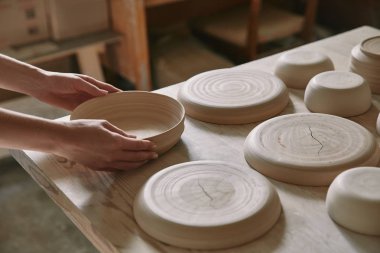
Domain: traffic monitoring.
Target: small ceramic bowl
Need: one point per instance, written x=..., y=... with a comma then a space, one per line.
x=339, y=93
x=353, y=200
x=296, y=68
x=147, y=115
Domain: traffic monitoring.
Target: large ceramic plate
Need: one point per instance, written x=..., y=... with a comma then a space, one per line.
x=147, y=115
x=309, y=148
x=228, y=96
x=207, y=205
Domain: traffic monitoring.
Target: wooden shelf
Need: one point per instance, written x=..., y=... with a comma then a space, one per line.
x=86, y=48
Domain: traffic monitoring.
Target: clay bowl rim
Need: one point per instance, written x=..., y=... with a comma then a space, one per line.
x=369, y=53
x=124, y=93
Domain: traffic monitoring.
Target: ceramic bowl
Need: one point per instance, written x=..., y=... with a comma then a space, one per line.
x=147, y=115
x=353, y=200
x=365, y=61
x=207, y=205
x=295, y=68
x=340, y=93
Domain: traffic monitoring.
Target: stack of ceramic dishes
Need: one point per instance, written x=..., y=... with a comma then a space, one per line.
x=228, y=96
x=297, y=67
x=146, y=115
x=340, y=93
x=365, y=61
x=353, y=200
x=207, y=205
x=309, y=148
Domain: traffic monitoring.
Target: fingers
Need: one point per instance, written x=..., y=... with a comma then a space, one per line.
x=90, y=88
x=115, y=129
x=136, y=156
x=99, y=84
x=138, y=145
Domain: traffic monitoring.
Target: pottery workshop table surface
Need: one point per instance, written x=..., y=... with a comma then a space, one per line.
x=100, y=203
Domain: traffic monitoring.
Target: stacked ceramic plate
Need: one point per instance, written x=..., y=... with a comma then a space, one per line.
x=365, y=61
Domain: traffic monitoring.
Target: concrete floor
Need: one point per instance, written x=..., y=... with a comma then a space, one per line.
x=29, y=219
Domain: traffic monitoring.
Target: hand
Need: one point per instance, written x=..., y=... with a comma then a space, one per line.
x=99, y=145
x=67, y=90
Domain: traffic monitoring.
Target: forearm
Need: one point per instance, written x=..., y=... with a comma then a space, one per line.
x=19, y=76
x=19, y=131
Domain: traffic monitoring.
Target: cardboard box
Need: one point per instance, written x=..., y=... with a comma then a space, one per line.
x=22, y=22
x=73, y=18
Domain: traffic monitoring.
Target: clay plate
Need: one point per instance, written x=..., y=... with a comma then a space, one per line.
x=147, y=115
x=228, y=96
x=309, y=148
x=207, y=205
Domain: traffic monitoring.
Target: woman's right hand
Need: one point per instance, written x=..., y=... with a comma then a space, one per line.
x=99, y=145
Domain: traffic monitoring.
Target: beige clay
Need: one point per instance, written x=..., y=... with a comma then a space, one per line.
x=309, y=148
x=339, y=93
x=147, y=115
x=353, y=200
x=207, y=205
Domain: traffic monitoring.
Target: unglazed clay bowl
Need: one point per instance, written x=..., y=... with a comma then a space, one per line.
x=295, y=68
x=365, y=61
x=353, y=200
x=207, y=205
x=340, y=93
x=147, y=115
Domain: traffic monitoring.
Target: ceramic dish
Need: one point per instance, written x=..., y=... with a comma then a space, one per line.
x=228, y=96
x=353, y=200
x=309, y=148
x=340, y=93
x=206, y=205
x=297, y=67
x=147, y=115
x=365, y=61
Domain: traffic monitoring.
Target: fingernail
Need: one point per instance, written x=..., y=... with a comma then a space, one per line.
x=155, y=156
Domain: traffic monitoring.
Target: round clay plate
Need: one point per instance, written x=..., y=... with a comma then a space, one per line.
x=353, y=200
x=228, y=96
x=206, y=205
x=309, y=148
x=146, y=115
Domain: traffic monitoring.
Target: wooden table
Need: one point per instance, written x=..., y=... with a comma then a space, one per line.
x=100, y=203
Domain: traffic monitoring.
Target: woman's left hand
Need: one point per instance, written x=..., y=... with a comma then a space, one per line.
x=68, y=90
